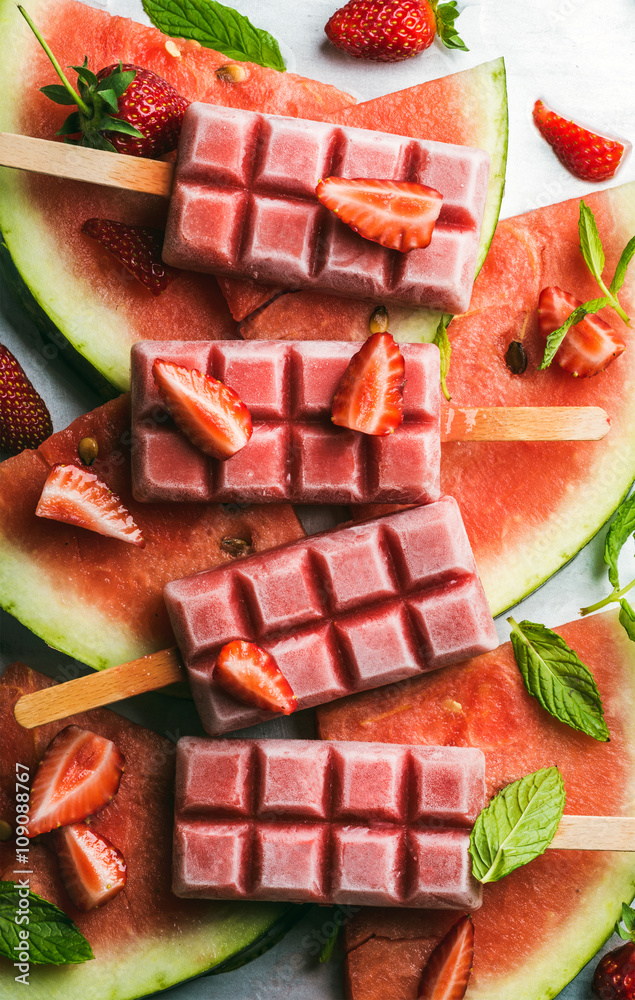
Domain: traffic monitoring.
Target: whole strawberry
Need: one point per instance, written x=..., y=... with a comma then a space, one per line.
x=614, y=977
x=122, y=108
x=586, y=154
x=392, y=30
x=25, y=421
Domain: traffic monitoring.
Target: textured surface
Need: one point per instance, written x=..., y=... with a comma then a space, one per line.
x=340, y=612
x=347, y=822
x=244, y=204
x=295, y=453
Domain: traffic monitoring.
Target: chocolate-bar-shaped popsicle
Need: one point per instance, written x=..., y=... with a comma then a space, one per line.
x=295, y=453
x=342, y=611
x=244, y=204
x=327, y=822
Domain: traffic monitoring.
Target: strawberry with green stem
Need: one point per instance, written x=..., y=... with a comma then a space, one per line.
x=614, y=977
x=393, y=30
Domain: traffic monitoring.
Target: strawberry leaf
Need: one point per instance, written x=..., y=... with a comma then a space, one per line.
x=622, y=265
x=446, y=14
x=117, y=125
x=618, y=534
x=110, y=98
x=216, y=27
x=555, y=339
x=85, y=75
x=119, y=80
x=57, y=93
x=71, y=126
x=442, y=341
x=53, y=938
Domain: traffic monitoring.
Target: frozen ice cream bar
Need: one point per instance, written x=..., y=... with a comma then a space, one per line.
x=243, y=204
x=340, y=612
x=327, y=822
x=295, y=453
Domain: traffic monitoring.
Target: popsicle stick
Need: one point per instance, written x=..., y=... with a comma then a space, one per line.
x=100, y=688
x=524, y=423
x=595, y=833
x=59, y=159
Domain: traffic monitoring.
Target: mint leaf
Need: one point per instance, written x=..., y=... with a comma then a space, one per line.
x=442, y=341
x=518, y=824
x=627, y=933
x=216, y=27
x=558, y=679
x=619, y=532
x=622, y=265
x=329, y=947
x=555, y=339
x=446, y=14
x=627, y=619
x=590, y=243
x=53, y=938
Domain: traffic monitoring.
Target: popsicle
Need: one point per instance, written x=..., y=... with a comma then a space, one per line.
x=303, y=820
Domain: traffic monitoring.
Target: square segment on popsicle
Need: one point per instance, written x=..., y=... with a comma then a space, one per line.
x=340, y=612
x=296, y=453
x=302, y=820
x=244, y=204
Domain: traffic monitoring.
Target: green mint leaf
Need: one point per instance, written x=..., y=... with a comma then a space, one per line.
x=329, y=947
x=442, y=341
x=558, y=679
x=627, y=619
x=627, y=933
x=216, y=27
x=622, y=265
x=590, y=243
x=619, y=532
x=53, y=938
x=555, y=339
x=56, y=92
x=446, y=14
x=518, y=824
x=71, y=126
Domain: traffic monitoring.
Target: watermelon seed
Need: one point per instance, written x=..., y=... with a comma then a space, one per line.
x=88, y=449
x=378, y=322
x=236, y=546
x=5, y=831
x=232, y=73
x=516, y=358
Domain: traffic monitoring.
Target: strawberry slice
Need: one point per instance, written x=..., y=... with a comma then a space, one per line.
x=210, y=414
x=251, y=675
x=398, y=215
x=78, y=496
x=589, y=346
x=369, y=397
x=447, y=972
x=586, y=154
x=92, y=869
x=79, y=774
x=138, y=248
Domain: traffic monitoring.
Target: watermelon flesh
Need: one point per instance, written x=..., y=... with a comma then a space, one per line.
x=92, y=596
x=540, y=925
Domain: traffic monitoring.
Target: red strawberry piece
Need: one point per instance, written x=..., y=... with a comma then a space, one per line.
x=93, y=870
x=78, y=496
x=398, y=215
x=151, y=105
x=25, y=421
x=79, y=774
x=589, y=346
x=586, y=154
x=447, y=972
x=369, y=397
x=138, y=248
x=209, y=413
x=251, y=675
x=614, y=977
x=383, y=30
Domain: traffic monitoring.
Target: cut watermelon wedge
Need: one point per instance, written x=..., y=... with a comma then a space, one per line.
x=67, y=282
x=538, y=926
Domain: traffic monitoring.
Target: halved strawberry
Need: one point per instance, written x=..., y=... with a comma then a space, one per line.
x=93, y=870
x=251, y=675
x=447, y=972
x=369, y=397
x=138, y=248
x=399, y=215
x=79, y=774
x=589, y=346
x=211, y=414
x=588, y=155
x=77, y=496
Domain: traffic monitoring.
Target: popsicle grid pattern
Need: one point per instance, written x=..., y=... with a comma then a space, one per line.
x=244, y=204
x=340, y=612
x=296, y=453
x=341, y=822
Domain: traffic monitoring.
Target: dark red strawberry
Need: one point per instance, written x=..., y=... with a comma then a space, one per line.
x=251, y=675
x=93, y=870
x=211, y=414
x=122, y=108
x=79, y=774
x=25, y=422
x=447, y=972
x=586, y=154
x=392, y=30
x=589, y=346
x=398, y=215
x=369, y=397
x=614, y=977
x=77, y=496
x=138, y=248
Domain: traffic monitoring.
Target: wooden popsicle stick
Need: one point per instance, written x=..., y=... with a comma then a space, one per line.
x=97, y=166
x=100, y=688
x=595, y=833
x=524, y=423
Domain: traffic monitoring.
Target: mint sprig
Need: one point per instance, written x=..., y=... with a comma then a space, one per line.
x=620, y=530
x=53, y=938
x=518, y=824
x=554, y=675
x=442, y=341
x=217, y=27
x=627, y=619
x=627, y=932
x=446, y=14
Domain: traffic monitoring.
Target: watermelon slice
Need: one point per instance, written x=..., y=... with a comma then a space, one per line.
x=67, y=281
x=540, y=925
x=145, y=939
x=90, y=595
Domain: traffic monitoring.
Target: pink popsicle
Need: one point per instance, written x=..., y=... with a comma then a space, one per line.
x=327, y=822
x=296, y=453
x=243, y=204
